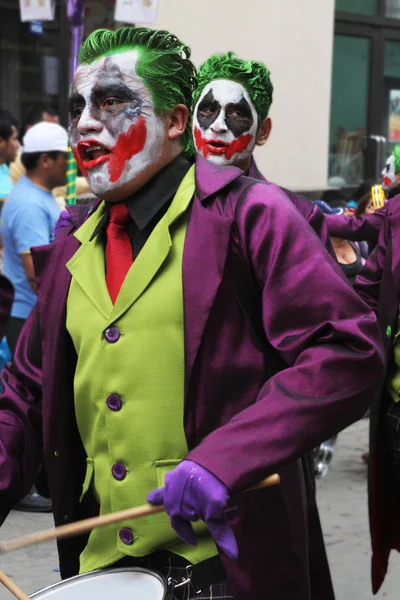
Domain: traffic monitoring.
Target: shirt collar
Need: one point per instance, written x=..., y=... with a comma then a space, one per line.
x=149, y=200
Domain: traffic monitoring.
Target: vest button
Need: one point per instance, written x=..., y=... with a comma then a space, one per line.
x=119, y=471
x=389, y=331
x=126, y=536
x=112, y=334
x=114, y=402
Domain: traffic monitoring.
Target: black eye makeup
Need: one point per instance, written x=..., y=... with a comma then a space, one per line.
x=207, y=111
x=238, y=116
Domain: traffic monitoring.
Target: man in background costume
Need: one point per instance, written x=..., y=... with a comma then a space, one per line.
x=379, y=286
x=232, y=104
x=178, y=351
x=367, y=227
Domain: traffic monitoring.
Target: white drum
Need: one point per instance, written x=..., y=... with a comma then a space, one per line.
x=120, y=584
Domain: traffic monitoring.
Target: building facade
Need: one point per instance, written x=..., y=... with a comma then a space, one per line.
x=335, y=67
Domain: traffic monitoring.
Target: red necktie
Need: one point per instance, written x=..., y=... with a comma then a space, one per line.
x=119, y=255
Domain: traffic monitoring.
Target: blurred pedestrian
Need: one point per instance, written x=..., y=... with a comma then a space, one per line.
x=30, y=214
x=29, y=217
x=37, y=114
x=365, y=205
x=9, y=146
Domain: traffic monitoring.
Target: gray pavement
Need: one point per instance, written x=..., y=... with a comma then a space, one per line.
x=343, y=508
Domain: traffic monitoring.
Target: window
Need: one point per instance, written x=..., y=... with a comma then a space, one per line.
x=361, y=7
x=349, y=109
x=393, y=9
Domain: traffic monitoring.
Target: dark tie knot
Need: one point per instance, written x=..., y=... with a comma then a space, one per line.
x=119, y=214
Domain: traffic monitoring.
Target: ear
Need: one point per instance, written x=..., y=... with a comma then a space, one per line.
x=263, y=131
x=177, y=121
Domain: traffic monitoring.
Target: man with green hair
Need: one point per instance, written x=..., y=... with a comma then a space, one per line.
x=368, y=226
x=231, y=117
x=178, y=352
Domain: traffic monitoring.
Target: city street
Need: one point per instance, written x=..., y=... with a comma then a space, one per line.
x=343, y=507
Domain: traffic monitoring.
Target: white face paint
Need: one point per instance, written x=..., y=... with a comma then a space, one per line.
x=115, y=134
x=225, y=123
x=389, y=173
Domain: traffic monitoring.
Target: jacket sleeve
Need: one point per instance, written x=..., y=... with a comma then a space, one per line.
x=357, y=229
x=20, y=418
x=327, y=338
x=368, y=282
x=318, y=222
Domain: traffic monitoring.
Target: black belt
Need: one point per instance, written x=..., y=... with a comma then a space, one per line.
x=203, y=574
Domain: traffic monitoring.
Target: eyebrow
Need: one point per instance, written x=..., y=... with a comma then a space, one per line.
x=115, y=89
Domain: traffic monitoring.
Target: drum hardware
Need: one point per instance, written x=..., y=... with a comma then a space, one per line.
x=184, y=582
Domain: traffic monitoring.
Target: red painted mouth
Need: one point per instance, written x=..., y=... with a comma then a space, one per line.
x=387, y=181
x=92, y=154
x=209, y=146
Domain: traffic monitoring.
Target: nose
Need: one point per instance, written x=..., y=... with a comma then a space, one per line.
x=219, y=125
x=87, y=123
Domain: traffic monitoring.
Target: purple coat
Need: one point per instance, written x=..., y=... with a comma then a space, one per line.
x=358, y=229
x=311, y=212
x=268, y=376
x=379, y=285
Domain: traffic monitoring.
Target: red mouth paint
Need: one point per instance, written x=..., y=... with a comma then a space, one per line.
x=128, y=144
x=235, y=147
x=79, y=162
x=387, y=181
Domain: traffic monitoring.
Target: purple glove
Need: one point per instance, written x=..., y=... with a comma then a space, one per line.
x=63, y=221
x=191, y=493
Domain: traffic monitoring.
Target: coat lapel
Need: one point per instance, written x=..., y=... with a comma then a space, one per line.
x=205, y=253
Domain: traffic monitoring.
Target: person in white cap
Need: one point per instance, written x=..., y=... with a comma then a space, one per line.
x=28, y=219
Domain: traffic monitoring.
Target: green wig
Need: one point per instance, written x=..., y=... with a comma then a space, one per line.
x=253, y=76
x=396, y=156
x=164, y=65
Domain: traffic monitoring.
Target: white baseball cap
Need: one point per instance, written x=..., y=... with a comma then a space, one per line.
x=45, y=137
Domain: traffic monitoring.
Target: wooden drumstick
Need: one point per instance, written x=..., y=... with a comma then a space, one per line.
x=12, y=587
x=79, y=527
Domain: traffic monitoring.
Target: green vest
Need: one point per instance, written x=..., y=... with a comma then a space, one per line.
x=393, y=378
x=129, y=393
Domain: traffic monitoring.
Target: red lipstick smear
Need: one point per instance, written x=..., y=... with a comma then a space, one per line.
x=387, y=181
x=235, y=147
x=79, y=162
x=128, y=144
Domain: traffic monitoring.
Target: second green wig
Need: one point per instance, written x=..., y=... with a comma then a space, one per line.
x=253, y=76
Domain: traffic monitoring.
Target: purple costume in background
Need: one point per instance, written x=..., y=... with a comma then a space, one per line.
x=244, y=418
x=379, y=285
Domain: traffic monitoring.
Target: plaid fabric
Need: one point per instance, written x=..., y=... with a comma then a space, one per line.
x=393, y=429
x=218, y=591
x=177, y=569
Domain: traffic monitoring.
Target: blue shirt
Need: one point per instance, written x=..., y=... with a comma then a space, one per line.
x=28, y=219
x=5, y=181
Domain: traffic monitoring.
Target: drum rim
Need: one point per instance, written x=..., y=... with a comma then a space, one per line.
x=90, y=574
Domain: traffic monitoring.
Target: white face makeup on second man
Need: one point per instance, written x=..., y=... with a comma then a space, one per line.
x=115, y=134
x=389, y=173
x=225, y=124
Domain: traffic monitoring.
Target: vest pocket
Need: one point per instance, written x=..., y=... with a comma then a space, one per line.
x=163, y=467
x=88, y=477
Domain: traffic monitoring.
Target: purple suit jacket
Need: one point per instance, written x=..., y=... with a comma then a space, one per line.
x=358, y=229
x=311, y=212
x=242, y=421
x=379, y=285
